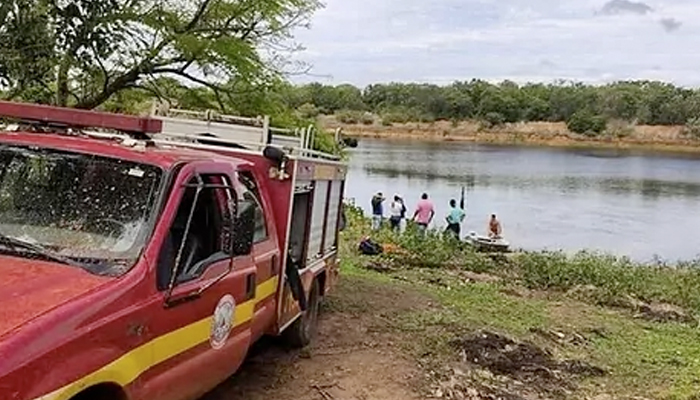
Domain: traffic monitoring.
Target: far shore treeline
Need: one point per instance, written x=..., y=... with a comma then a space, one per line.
x=585, y=108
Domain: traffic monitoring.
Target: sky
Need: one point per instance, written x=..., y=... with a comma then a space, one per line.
x=440, y=41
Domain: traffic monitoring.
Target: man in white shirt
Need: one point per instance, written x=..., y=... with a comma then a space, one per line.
x=397, y=211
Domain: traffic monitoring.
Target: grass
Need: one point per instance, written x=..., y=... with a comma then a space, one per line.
x=644, y=358
x=607, y=279
x=654, y=360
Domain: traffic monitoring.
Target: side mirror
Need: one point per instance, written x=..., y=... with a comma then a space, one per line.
x=274, y=154
x=243, y=230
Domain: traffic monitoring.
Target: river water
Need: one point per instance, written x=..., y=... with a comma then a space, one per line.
x=641, y=205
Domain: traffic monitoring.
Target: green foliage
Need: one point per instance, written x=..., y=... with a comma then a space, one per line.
x=82, y=52
x=349, y=116
x=367, y=118
x=395, y=117
x=611, y=279
x=586, y=123
x=493, y=119
x=308, y=110
x=26, y=50
x=325, y=141
x=642, y=102
x=692, y=128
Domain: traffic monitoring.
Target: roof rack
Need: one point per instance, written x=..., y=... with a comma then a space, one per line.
x=185, y=127
x=173, y=127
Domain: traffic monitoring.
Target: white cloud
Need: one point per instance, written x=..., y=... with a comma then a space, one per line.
x=613, y=7
x=367, y=41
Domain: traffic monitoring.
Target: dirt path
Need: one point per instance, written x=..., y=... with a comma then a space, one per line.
x=356, y=355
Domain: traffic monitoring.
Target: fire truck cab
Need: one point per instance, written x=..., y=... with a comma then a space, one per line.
x=141, y=257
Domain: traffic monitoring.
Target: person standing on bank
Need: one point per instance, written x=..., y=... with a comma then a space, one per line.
x=425, y=211
x=377, y=211
x=495, y=229
x=397, y=211
x=454, y=219
x=403, y=222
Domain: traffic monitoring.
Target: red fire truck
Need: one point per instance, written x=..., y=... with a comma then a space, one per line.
x=141, y=257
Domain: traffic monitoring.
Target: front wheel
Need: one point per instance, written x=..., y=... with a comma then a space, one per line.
x=303, y=330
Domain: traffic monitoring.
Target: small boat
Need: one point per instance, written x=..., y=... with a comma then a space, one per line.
x=487, y=244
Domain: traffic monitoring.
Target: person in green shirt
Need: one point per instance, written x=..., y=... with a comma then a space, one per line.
x=454, y=218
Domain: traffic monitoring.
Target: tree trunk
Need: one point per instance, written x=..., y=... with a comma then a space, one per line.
x=62, y=82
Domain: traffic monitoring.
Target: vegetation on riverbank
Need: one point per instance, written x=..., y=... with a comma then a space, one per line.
x=630, y=328
x=548, y=134
x=585, y=109
x=644, y=115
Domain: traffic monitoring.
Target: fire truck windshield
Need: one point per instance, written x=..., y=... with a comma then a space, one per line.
x=93, y=210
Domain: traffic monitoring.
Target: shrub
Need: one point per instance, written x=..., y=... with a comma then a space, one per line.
x=308, y=110
x=493, y=119
x=619, y=128
x=586, y=123
x=349, y=116
x=426, y=118
x=692, y=128
x=395, y=117
x=367, y=118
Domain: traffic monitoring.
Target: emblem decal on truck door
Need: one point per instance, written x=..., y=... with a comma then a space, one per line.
x=222, y=321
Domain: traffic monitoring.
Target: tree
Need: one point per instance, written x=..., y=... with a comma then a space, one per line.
x=26, y=50
x=308, y=110
x=636, y=102
x=87, y=51
x=587, y=123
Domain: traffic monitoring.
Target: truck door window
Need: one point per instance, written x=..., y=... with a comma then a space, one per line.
x=252, y=196
x=205, y=205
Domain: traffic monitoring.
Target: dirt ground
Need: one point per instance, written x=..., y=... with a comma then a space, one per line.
x=356, y=355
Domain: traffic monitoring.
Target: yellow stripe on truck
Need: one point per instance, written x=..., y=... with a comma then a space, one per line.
x=131, y=365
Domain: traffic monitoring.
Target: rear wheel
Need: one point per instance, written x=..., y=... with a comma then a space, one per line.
x=303, y=330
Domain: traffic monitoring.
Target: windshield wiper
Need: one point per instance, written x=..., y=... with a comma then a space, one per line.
x=33, y=248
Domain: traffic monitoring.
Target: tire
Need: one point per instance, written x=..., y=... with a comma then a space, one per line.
x=303, y=330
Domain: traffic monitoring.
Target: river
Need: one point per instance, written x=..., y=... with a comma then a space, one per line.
x=641, y=205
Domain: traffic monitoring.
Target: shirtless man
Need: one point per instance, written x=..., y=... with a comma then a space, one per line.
x=494, y=227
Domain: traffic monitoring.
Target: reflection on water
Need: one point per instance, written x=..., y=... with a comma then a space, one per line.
x=633, y=204
x=646, y=187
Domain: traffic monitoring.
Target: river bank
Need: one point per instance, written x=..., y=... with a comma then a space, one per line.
x=549, y=134
x=510, y=327
x=430, y=321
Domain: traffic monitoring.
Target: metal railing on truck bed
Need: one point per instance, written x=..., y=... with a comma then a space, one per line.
x=254, y=133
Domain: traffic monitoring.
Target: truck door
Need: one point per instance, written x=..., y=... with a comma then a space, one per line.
x=266, y=252
x=209, y=297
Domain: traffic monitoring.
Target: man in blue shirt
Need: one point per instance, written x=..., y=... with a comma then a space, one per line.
x=454, y=218
x=377, y=211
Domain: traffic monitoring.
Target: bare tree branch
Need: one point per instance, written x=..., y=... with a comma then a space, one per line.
x=218, y=90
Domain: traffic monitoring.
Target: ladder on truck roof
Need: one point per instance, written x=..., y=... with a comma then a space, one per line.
x=212, y=127
x=189, y=129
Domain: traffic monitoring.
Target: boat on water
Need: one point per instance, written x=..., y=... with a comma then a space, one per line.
x=487, y=244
